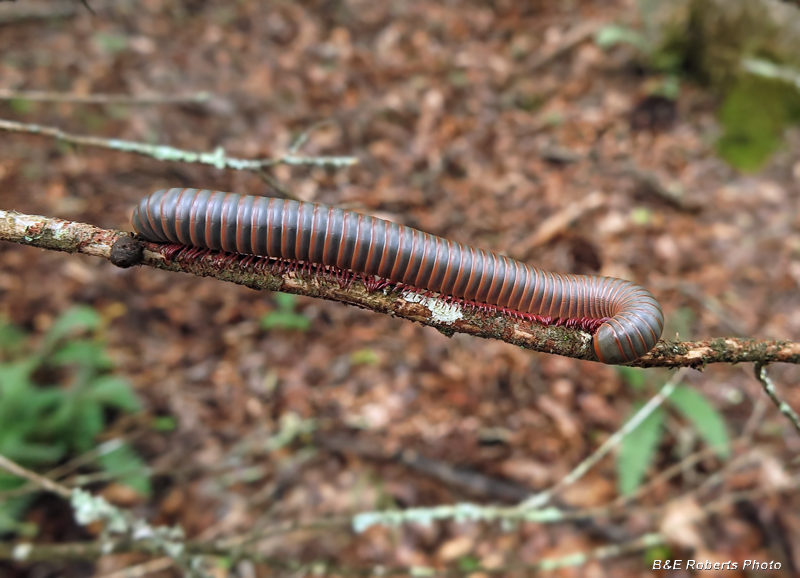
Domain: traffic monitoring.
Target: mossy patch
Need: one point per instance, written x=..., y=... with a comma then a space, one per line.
x=753, y=115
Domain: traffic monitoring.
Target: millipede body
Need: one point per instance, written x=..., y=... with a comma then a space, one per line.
x=632, y=320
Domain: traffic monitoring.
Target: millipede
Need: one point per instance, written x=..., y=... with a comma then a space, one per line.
x=625, y=319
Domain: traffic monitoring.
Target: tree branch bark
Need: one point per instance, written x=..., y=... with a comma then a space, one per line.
x=72, y=237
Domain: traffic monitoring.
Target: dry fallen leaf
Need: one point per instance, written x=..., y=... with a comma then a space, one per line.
x=679, y=524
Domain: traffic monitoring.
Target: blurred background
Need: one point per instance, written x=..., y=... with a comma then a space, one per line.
x=598, y=137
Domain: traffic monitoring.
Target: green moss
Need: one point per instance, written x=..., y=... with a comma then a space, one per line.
x=754, y=115
x=21, y=106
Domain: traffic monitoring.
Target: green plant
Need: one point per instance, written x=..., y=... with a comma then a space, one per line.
x=54, y=397
x=468, y=564
x=21, y=105
x=284, y=317
x=110, y=43
x=639, y=447
x=365, y=356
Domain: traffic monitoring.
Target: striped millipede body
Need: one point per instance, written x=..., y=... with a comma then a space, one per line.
x=629, y=318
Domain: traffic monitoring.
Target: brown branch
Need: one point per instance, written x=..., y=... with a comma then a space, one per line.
x=72, y=237
x=698, y=354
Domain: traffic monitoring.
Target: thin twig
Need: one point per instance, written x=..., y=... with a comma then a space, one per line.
x=42, y=482
x=304, y=136
x=669, y=473
x=82, y=480
x=90, y=456
x=128, y=99
x=88, y=509
x=217, y=159
x=753, y=455
x=769, y=387
x=602, y=553
x=70, y=466
x=275, y=184
x=621, y=502
x=540, y=499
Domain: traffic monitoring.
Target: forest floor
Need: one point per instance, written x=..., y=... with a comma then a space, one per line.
x=475, y=121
